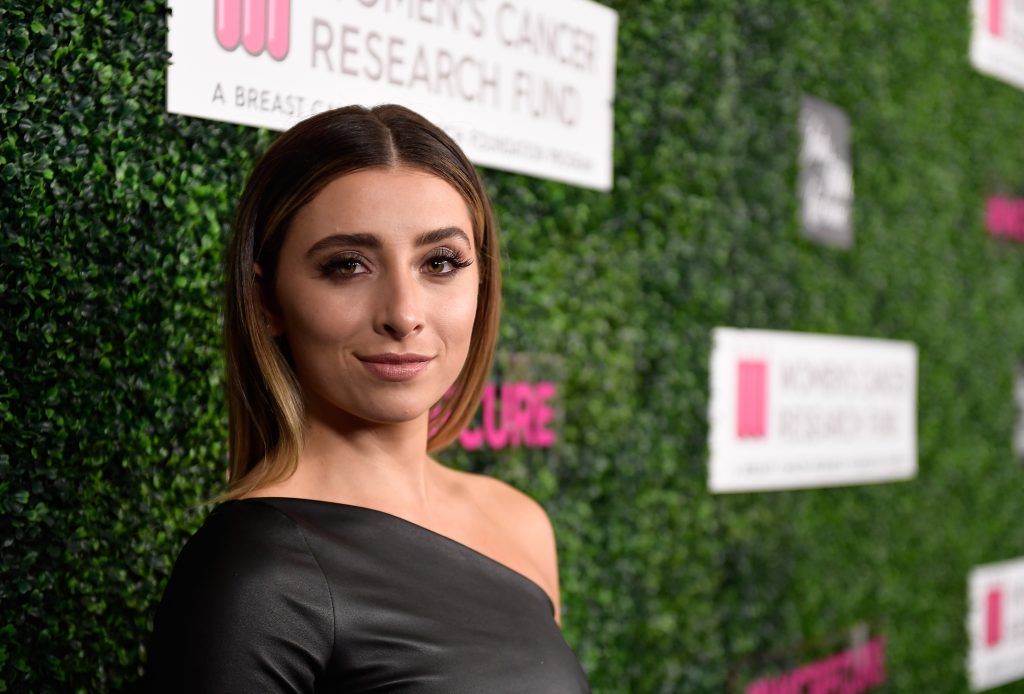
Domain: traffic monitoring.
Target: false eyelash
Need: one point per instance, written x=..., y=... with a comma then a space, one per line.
x=454, y=257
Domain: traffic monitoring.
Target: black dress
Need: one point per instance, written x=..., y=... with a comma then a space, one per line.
x=277, y=594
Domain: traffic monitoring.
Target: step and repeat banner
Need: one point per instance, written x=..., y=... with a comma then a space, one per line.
x=528, y=86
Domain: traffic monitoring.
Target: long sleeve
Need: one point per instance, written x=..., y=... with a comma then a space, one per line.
x=247, y=609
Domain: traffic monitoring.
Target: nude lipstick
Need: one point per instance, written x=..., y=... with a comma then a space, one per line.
x=392, y=366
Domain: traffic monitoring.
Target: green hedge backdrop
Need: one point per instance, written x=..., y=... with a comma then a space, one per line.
x=114, y=215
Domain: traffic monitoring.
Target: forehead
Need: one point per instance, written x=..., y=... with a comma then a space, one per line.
x=395, y=204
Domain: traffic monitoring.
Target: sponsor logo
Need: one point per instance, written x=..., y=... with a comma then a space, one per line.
x=751, y=399
x=855, y=670
x=512, y=414
x=826, y=173
x=257, y=25
x=525, y=414
x=1005, y=217
x=995, y=624
x=994, y=617
x=995, y=17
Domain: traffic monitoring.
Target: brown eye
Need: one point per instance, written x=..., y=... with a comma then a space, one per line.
x=446, y=258
x=344, y=265
x=348, y=267
x=437, y=265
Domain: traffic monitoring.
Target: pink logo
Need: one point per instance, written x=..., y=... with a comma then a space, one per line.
x=995, y=17
x=525, y=414
x=1005, y=217
x=751, y=399
x=852, y=671
x=257, y=24
x=513, y=414
x=994, y=617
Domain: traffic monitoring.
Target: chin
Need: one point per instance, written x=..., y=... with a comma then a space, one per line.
x=390, y=410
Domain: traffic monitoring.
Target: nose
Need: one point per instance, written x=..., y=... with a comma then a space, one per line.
x=400, y=307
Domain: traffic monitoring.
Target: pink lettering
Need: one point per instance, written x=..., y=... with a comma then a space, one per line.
x=522, y=396
x=495, y=436
x=542, y=414
x=848, y=672
x=471, y=439
x=842, y=674
x=877, y=660
x=524, y=418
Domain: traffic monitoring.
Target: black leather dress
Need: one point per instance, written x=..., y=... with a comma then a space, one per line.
x=277, y=594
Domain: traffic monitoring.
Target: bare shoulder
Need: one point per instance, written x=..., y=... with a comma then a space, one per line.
x=527, y=522
x=527, y=511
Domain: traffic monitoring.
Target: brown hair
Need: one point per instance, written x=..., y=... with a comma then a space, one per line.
x=265, y=405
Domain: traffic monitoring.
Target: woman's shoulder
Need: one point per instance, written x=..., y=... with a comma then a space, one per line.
x=243, y=550
x=506, y=500
x=525, y=519
x=244, y=589
x=243, y=529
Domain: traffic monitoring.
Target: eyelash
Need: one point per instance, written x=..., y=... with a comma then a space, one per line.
x=331, y=266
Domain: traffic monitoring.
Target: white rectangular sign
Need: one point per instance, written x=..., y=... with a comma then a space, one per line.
x=800, y=410
x=995, y=624
x=826, y=173
x=997, y=39
x=521, y=85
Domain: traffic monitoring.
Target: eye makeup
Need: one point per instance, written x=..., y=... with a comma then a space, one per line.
x=342, y=265
x=337, y=265
x=456, y=260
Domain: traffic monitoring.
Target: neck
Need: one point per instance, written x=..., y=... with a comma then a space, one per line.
x=355, y=461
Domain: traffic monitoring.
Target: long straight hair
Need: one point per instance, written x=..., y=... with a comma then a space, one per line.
x=265, y=405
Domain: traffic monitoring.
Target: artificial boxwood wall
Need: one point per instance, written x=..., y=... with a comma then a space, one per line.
x=113, y=217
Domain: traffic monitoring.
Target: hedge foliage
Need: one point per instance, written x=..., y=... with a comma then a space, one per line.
x=114, y=215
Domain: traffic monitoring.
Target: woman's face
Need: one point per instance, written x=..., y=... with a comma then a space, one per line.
x=373, y=270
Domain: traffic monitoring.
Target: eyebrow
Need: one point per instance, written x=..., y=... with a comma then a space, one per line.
x=366, y=240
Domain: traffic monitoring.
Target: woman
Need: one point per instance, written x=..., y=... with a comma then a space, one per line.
x=361, y=318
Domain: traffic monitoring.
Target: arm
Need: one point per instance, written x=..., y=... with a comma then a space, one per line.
x=247, y=609
x=541, y=537
x=534, y=533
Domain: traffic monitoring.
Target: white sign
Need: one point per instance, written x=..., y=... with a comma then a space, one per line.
x=995, y=624
x=826, y=173
x=997, y=39
x=799, y=410
x=522, y=85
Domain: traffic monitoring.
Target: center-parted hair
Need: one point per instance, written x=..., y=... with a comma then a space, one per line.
x=265, y=404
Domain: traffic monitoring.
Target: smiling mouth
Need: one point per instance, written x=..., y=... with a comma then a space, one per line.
x=395, y=367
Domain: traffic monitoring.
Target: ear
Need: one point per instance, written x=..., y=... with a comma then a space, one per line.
x=268, y=303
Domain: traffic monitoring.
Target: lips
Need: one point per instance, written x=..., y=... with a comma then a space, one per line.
x=394, y=366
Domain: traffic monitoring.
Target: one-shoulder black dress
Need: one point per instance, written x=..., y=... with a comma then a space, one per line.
x=278, y=594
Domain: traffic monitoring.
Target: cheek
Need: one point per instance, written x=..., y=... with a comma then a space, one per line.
x=314, y=316
x=455, y=320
